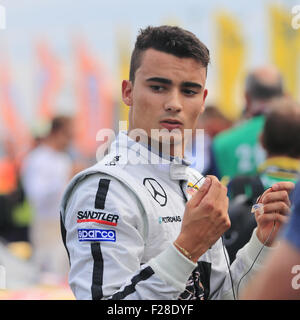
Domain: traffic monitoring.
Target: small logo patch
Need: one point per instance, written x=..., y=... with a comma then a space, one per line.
x=98, y=217
x=192, y=189
x=96, y=235
x=169, y=219
x=156, y=190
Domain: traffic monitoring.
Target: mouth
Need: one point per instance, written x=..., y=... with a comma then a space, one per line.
x=171, y=124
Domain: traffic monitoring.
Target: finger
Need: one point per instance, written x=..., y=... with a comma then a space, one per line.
x=216, y=200
x=259, y=200
x=277, y=207
x=199, y=195
x=276, y=196
x=283, y=185
x=267, y=218
x=217, y=190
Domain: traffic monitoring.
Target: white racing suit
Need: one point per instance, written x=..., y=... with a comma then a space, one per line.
x=119, y=219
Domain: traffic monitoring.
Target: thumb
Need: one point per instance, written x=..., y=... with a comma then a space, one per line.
x=199, y=195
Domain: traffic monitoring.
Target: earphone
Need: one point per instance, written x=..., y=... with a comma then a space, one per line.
x=257, y=206
x=224, y=250
x=264, y=244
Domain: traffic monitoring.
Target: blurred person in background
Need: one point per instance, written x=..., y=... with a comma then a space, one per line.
x=45, y=173
x=280, y=140
x=15, y=212
x=15, y=220
x=237, y=150
x=280, y=277
x=212, y=121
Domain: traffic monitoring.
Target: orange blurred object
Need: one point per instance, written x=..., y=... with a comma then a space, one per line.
x=8, y=176
x=94, y=98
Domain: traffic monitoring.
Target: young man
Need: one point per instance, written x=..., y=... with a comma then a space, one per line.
x=132, y=228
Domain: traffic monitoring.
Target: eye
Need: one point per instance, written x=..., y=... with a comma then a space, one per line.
x=157, y=88
x=189, y=92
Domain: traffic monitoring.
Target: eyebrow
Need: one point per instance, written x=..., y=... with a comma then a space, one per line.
x=168, y=81
x=160, y=80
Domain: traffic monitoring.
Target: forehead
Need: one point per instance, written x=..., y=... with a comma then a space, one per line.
x=156, y=63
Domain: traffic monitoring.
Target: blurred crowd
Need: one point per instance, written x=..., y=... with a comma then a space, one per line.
x=248, y=155
x=31, y=248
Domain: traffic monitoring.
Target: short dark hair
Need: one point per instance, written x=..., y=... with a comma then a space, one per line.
x=59, y=123
x=282, y=129
x=169, y=39
x=259, y=90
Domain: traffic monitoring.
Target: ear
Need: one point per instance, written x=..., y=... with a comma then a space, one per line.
x=203, y=101
x=127, y=92
x=205, y=95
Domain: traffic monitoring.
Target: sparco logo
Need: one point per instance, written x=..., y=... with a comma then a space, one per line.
x=156, y=190
x=169, y=219
x=98, y=217
x=96, y=235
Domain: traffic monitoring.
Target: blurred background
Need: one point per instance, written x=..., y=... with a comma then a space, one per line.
x=66, y=59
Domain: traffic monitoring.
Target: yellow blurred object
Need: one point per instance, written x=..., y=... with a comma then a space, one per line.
x=285, y=48
x=20, y=249
x=230, y=53
x=225, y=180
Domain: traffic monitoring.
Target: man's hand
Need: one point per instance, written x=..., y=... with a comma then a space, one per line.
x=205, y=218
x=276, y=209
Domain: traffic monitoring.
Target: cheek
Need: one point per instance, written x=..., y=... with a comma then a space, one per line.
x=141, y=113
x=145, y=104
x=194, y=113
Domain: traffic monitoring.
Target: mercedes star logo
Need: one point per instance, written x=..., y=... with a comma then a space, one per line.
x=156, y=190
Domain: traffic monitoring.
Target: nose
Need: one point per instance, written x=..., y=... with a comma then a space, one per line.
x=173, y=103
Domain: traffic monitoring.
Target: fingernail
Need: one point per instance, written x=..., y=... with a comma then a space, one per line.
x=207, y=182
x=258, y=207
